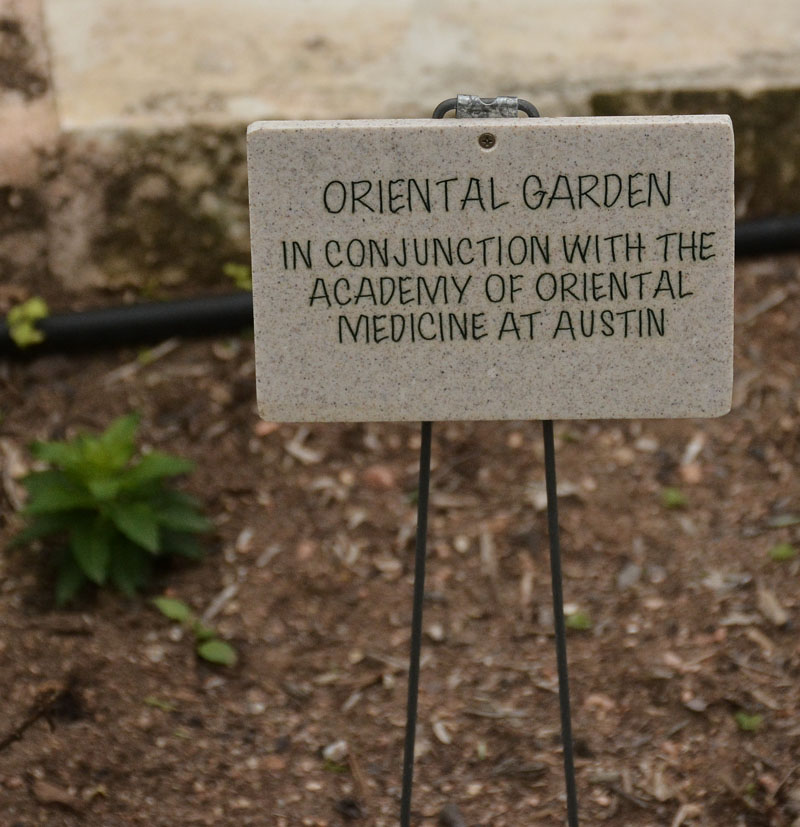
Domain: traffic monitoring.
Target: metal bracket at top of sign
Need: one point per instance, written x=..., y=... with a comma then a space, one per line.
x=472, y=106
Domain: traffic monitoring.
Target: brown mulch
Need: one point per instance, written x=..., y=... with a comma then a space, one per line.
x=108, y=718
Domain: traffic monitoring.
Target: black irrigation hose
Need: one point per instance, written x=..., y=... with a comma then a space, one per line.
x=138, y=323
x=767, y=236
x=213, y=315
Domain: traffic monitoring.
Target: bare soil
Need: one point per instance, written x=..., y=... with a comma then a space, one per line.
x=309, y=577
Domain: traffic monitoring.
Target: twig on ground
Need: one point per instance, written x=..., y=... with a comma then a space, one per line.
x=42, y=706
x=359, y=779
x=497, y=712
x=686, y=811
x=631, y=798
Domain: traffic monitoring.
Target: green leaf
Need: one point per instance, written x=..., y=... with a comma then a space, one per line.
x=578, y=621
x=217, y=651
x=111, y=451
x=137, y=521
x=91, y=548
x=174, y=609
x=182, y=518
x=42, y=525
x=171, y=496
x=119, y=438
x=153, y=467
x=66, y=455
x=130, y=567
x=103, y=488
x=51, y=491
x=183, y=544
x=173, y=542
x=33, y=309
x=69, y=581
x=21, y=321
x=783, y=552
x=747, y=722
x=25, y=334
x=673, y=498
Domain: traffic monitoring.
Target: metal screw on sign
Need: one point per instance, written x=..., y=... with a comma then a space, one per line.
x=471, y=106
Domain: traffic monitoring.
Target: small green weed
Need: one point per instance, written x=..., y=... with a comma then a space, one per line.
x=115, y=513
x=239, y=274
x=158, y=703
x=673, y=498
x=22, y=322
x=578, y=621
x=783, y=553
x=747, y=722
x=207, y=644
x=568, y=437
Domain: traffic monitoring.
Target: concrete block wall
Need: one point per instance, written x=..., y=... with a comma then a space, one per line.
x=122, y=141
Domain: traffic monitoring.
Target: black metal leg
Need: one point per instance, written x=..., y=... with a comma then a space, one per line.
x=560, y=628
x=416, y=623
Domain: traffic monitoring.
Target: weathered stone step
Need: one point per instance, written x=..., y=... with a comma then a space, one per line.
x=148, y=184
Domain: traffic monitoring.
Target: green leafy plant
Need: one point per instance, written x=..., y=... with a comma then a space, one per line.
x=673, y=498
x=22, y=322
x=113, y=513
x=783, y=553
x=747, y=722
x=208, y=644
x=239, y=274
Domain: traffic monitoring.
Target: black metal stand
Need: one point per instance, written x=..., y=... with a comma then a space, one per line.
x=474, y=107
x=558, y=613
x=416, y=622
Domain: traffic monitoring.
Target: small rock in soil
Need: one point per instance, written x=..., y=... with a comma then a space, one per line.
x=442, y=733
x=436, y=632
x=155, y=653
x=379, y=477
x=335, y=752
x=451, y=817
x=771, y=608
x=629, y=576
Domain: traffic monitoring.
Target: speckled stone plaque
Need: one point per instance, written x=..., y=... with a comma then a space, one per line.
x=552, y=268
